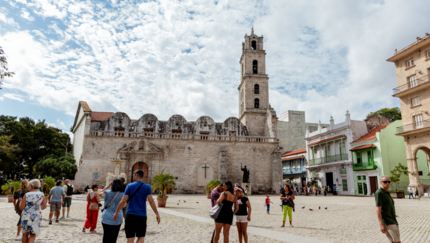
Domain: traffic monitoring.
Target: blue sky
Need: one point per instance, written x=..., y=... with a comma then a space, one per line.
x=181, y=57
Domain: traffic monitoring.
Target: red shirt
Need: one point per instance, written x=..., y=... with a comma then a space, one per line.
x=267, y=201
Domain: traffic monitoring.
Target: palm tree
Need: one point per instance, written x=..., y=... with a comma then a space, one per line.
x=163, y=181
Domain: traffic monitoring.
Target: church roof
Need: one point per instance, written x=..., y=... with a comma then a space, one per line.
x=100, y=116
x=85, y=107
x=372, y=133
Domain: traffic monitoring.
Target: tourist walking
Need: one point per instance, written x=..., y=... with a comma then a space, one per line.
x=55, y=199
x=267, y=203
x=386, y=212
x=329, y=190
x=17, y=199
x=33, y=202
x=411, y=193
x=315, y=190
x=225, y=217
x=93, y=200
x=417, y=195
x=243, y=215
x=325, y=191
x=136, y=194
x=337, y=190
x=112, y=198
x=287, y=198
x=68, y=189
x=215, y=194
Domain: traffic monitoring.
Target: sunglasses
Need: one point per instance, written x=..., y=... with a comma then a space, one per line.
x=385, y=182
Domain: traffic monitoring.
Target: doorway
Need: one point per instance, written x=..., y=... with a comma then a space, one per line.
x=329, y=179
x=373, y=184
x=141, y=166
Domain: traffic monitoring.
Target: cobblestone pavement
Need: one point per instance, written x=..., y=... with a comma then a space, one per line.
x=347, y=219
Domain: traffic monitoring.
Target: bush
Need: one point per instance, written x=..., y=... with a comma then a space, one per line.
x=211, y=185
x=10, y=186
x=163, y=182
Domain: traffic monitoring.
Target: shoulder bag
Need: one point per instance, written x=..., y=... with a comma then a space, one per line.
x=214, y=212
x=94, y=206
x=111, y=201
x=134, y=193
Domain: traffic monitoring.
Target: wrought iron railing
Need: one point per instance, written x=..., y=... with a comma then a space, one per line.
x=182, y=136
x=329, y=159
x=425, y=181
x=413, y=126
x=364, y=165
x=411, y=84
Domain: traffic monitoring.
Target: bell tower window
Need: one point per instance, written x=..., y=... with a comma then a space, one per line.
x=256, y=89
x=254, y=45
x=256, y=103
x=255, y=66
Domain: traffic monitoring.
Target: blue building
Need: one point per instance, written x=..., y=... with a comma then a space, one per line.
x=293, y=166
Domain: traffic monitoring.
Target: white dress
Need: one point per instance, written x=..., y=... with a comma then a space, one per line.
x=31, y=217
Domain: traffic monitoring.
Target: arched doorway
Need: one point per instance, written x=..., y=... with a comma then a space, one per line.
x=422, y=159
x=141, y=166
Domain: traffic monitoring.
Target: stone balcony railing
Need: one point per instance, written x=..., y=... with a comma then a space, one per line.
x=413, y=126
x=182, y=136
x=328, y=159
x=411, y=84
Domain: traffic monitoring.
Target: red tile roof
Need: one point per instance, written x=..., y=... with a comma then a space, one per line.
x=328, y=139
x=291, y=158
x=100, y=116
x=371, y=134
x=363, y=147
x=297, y=151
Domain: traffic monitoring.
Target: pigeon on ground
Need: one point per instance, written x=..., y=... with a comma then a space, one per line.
x=303, y=207
x=197, y=202
x=178, y=203
x=397, y=216
x=319, y=207
x=325, y=208
x=310, y=209
x=184, y=201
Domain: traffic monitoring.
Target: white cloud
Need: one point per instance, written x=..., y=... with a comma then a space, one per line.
x=6, y=20
x=1, y=98
x=13, y=97
x=26, y=15
x=174, y=57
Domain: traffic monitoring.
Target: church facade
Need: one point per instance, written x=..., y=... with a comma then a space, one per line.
x=195, y=152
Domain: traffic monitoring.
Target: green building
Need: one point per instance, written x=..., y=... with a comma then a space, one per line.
x=377, y=153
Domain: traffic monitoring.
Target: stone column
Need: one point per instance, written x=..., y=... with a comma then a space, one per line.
x=276, y=169
x=222, y=165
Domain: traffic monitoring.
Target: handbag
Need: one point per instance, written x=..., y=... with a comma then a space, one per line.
x=111, y=201
x=215, y=211
x=94, y=206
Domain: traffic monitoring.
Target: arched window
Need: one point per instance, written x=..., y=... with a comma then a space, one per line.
x=256, y=103
x=256, y=89
x=254, y=45
x=254, y=66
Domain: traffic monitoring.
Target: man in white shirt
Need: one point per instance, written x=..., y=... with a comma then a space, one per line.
x=411, y=193
x=68, y=189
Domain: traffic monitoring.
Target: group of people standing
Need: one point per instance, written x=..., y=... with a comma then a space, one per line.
x=312, y=190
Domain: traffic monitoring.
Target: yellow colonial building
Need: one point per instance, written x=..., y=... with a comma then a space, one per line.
x=412, y=65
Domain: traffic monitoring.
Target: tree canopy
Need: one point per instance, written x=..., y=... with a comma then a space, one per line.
x=35, y=140
x=56, y=167
x=392, y=114
x=4, y=71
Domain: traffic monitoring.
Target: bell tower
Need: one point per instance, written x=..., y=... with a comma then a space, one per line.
x=254, y=85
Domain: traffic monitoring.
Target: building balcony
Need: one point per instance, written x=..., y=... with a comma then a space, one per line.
x=365, y=165
x=328, y=159
x=412, y=128
x=342, y=171
x=412, y=86
x=294, y=171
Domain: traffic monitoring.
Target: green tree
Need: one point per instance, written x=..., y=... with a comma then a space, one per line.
x=35, y=140
x=3, y=67
x=211, y=185
x=397, y=172
x=56, y=167
x=392, y=114
x=163, y=181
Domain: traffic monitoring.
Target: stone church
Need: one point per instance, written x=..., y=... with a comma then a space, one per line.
x=195, y=152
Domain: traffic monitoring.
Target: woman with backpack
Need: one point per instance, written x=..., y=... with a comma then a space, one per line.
x=32, y=204
x=287, y=198
x=112, y=198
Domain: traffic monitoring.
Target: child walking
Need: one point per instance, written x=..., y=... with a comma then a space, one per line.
x=268, y=202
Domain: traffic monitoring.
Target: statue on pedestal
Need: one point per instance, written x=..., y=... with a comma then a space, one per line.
x=245, y=174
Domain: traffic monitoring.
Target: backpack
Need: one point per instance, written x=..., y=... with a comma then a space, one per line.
x=69, y=190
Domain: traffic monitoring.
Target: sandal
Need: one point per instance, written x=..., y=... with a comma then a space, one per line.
x=83, y=230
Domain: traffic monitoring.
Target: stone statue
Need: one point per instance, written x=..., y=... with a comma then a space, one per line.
x=245, y=174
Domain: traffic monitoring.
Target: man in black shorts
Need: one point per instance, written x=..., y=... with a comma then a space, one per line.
x=138, y=192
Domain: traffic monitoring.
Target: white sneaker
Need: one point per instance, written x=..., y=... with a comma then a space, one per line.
x=18, y=237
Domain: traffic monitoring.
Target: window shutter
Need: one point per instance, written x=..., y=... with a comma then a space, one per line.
x=428, y=54
x=416, y=101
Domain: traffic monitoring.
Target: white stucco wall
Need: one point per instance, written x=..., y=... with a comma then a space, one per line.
x=78, y=136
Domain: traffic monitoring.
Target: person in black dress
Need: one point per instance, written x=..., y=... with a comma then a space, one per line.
x=225, y=217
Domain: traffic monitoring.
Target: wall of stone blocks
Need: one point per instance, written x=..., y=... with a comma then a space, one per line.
x=182, y=158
